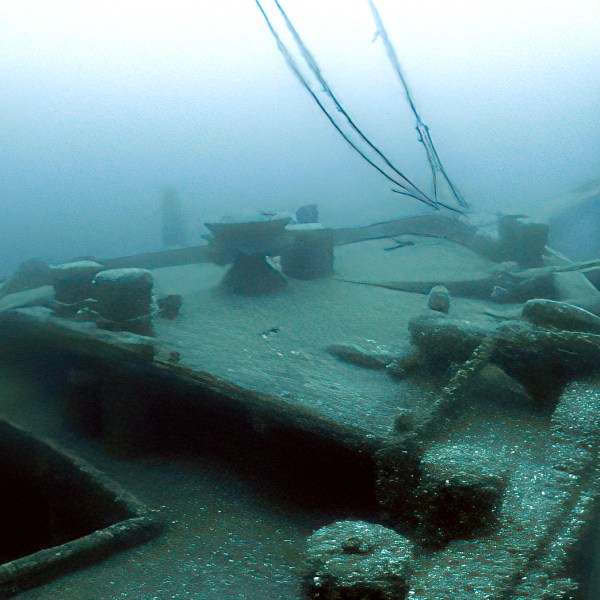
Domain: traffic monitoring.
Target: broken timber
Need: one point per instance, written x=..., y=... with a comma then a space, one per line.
x=429, y=225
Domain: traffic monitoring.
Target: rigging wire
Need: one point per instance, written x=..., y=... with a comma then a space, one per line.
x=316, y=71
x=407, y=187
x=424, y=136
x=418, y=195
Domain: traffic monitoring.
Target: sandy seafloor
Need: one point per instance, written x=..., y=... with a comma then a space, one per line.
x=227, y=535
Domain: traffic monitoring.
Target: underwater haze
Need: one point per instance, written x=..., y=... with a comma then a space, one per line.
x=105, y=104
